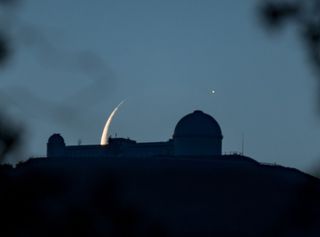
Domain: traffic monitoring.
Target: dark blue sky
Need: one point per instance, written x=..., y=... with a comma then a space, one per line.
x=76, y=60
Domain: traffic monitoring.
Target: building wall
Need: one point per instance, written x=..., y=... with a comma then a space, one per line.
x=182, y=146
x=197, y=146
x=115, y=149
x=149, y=149
x=86, y=151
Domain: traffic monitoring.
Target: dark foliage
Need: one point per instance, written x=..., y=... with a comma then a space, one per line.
x=275, y=14
x=305, y=15
x=90, y=197
x=8, y=5
x=4, y=49
x=41, y=203
x=10, y=136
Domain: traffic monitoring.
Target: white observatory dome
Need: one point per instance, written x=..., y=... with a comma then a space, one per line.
x=55, y=146
x=56, y=139
x=197, y=134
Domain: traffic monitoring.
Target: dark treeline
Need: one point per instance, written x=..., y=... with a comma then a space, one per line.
x=157, y=197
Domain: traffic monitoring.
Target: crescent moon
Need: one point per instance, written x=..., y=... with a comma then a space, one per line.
x=104, y=136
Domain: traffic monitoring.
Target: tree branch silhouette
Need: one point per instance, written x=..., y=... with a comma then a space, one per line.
x=9, y=135
x=305, y=16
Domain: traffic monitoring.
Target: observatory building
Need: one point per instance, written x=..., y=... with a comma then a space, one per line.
x=196, y=134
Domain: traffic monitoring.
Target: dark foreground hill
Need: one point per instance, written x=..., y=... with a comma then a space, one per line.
x=224, y=196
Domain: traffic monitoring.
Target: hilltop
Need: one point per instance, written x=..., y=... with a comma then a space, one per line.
x=166, y=196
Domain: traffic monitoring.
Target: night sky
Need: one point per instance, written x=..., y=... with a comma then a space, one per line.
x=74, y=61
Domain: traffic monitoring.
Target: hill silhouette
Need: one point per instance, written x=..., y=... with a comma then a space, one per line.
x=230, y=195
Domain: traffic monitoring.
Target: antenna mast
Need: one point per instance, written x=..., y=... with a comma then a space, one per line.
x=242, y=144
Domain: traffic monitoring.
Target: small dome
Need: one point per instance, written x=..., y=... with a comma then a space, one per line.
x=197, y=124
x=56, y=139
